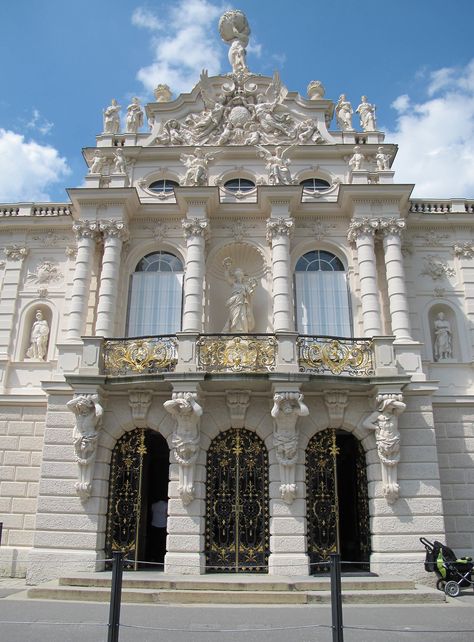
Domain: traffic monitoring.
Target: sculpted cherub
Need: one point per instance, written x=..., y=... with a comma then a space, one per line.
x=196, y=164
x=277, y=165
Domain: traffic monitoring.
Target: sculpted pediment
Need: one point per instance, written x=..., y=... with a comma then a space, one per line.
x=239, y=109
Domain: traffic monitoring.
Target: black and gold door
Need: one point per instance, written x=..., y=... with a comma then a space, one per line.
x=337, y=500
x=139, y=474
x=237, y=517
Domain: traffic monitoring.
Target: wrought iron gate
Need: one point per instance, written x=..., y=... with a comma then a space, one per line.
x=125, y=495
x=323, y=500
x=237, y=517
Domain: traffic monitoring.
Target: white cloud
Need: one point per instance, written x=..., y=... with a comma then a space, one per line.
x=185, y=41
x=436, y=136
x=38, y=123
x=28, y=168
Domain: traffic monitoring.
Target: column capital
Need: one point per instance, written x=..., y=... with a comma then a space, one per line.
x=280, y=226
x=16, y=252
x=392, y=225
x=362, y=227
x=112, y=228
x=195, y=227
x=86, y=229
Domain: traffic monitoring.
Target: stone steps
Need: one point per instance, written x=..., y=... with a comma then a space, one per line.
x=136, y=588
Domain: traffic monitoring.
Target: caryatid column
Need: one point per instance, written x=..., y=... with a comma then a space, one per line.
x=279, y=231
x=114, y=233
x=362, y=232
x=195, y=232
x=86, y=235
x=397, y=294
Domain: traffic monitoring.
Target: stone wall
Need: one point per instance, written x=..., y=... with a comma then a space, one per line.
x=455, y=439
x=21, y=445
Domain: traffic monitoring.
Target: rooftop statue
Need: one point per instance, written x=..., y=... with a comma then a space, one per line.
x=112, y=118
x=366, y=113
x=234, y=29
x=134, y=116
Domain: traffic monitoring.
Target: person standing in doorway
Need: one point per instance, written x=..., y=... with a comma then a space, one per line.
x=159, y=520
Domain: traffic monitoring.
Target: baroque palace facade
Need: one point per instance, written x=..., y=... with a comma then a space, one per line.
x=278, y=353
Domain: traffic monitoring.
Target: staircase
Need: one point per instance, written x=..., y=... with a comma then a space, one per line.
x=157, y=588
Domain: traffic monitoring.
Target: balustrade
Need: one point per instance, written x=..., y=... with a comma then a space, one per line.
x=145, y=355
x=236, y=353
x=336, y=356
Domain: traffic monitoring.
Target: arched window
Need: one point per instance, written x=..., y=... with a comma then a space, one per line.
x=163, y=186
x=315, y=184
x=322, y=297
x=239, y=185
x=155, y=298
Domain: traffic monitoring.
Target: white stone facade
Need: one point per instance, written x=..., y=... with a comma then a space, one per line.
x=406, y=263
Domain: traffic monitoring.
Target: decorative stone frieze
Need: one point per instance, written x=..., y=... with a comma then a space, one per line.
x=464, y=249
x=46, y=272
x=384, y=421
x=185, y=409
x=70, y=252
x=336, y=402
x=88, y=412
x=139, y=402
x=437, y=269
x=195, y=227
x=16, y=252
x=287, y=407
x=237, y=402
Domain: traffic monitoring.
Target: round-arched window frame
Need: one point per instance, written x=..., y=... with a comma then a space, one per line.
x=315, y=184
x=163, y=186
x=322, y=296
x=155, y=296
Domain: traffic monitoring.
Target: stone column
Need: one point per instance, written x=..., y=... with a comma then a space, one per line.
x=15, y=255
x=362, y=231
x=278, y=234
x=397, y=294
x=115, y=233
x=86, y=235
x=195, y=231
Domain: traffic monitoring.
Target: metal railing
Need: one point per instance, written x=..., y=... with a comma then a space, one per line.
x=236, y=353
x=142, y=355
x=336, y=356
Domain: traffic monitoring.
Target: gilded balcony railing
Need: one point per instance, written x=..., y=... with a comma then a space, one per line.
x=144, y=355
x=336, y=356
x=236, y=353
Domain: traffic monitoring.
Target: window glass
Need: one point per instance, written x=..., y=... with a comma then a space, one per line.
x=164, y=185
x=155, y=299
x=239, y=185
x=322, y=297
x=315, y=184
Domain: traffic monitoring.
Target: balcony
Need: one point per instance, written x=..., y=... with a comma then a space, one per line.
x=235, y=354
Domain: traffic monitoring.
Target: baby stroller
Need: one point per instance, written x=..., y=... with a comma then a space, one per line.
x=452, y=572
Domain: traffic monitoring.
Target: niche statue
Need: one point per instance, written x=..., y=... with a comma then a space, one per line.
x=241, y=317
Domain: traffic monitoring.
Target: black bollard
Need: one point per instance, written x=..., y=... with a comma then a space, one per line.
x=115, y=597
x=336, y=598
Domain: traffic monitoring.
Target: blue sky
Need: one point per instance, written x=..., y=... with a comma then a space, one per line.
x=62, y=62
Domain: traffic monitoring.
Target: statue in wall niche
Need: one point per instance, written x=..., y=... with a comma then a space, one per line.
x=235, y=30
x=382, y=159
x=112, y=118
x=277, y=165
x=287, y=407
x=366, y=113
x=38, y=338
x=239, y=303
x=443, y=338
x=120, y=164
x=385, y=423
x=197, y=164
x=97, y=163
x=134, y=117
x=187, y=412
x=344, y=114
x=357, y=158
x=88, y=412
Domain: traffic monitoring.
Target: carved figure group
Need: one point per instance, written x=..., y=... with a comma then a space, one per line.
x=385, y=423
x=38, y=338
x=134, y=117
x=239, y=304
x=366, y=113
x=197, y=164
x=112, y=118
x=357, y=158
x=277, y=165
x=88, y=412
x=187, y=412
x=287, y=407
x=443, y=338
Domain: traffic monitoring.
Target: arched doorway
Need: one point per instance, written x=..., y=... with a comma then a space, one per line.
x=237, y=514
x=139, y=474
x=337, y=500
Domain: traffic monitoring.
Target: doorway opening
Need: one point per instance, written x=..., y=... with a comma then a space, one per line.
x=138, y=499
x=337, y=501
